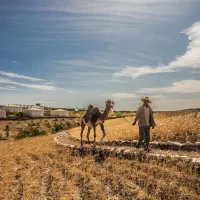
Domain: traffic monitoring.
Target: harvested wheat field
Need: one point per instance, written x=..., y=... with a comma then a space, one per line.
x=183, y=126
x=38, y=169
x=35, y=168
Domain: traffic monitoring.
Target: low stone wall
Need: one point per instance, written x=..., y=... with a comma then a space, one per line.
x=176, y=146
x=100, y=153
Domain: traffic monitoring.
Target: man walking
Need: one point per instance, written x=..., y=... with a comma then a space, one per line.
x=145, y=119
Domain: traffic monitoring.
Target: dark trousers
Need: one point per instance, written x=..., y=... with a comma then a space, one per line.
x=144, y=135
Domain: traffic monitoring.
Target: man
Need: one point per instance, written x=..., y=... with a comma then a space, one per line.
x=145, y=119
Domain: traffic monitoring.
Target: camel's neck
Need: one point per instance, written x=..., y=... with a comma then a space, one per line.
x=104, y=114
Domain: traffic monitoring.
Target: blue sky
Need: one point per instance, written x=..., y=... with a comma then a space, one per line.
x=69, y=53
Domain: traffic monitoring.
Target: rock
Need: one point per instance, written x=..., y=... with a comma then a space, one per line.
x=99, y=157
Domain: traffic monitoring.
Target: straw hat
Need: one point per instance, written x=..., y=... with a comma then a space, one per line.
x=146, y=99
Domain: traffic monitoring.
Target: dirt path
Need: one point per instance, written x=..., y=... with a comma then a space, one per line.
x=66, y=140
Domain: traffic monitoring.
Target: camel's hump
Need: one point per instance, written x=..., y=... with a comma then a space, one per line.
x=90, y=106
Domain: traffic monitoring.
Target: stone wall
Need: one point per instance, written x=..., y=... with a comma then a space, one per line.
x=101, y=152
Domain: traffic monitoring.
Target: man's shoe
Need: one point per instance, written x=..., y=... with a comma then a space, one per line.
x=137, y=146
x=147, y=149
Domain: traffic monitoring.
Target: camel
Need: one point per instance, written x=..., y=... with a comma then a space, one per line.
x=94, y=117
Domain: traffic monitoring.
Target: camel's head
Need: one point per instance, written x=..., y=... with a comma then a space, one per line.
x=109, y=106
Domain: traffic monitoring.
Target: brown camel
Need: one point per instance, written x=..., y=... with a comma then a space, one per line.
x=94, y=117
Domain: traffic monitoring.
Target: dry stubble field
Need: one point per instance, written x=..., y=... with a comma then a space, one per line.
x=36, y=168
x=182, y=126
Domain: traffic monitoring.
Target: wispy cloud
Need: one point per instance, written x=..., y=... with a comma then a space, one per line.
x=195, y=72
x=92, y=63
x=8, y=88
x=47, y=102
x=190, y=59
x=119, y=96
x=126, y=8
x=19, y=76
x=34, y=86
x=185, y=86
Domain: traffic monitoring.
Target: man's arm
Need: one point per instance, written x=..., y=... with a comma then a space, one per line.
x=137, y=116
x=152, y=121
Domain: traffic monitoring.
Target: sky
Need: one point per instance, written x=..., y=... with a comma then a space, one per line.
x=71, y=53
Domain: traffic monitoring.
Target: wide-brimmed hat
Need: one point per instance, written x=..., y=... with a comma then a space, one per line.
x=146, y=99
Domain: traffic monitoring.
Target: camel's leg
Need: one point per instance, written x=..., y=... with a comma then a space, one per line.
x=94, y=127
x=103, y=130
x=88, y=134
x=82, y=129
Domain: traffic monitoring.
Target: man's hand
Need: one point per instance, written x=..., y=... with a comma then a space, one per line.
x=134, y=123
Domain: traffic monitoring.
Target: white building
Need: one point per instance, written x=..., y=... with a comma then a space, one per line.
x=38, y=107
x=34, y=112
x=59, y=113
x=33, y=106
x=2, y=114
x=13, y=108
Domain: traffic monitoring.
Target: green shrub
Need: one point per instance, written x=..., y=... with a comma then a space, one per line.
x=30, y=132
x=78, y=124
x=47, y=124
x=57, y=127
x=20, y=114
x=61, y=126
x=7, y=129
x=31, y=124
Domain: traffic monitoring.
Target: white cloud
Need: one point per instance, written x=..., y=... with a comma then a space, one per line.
x=195, y=72
x=144, y=70
x=8, y=88
x=175, y=104
x=48, y=102
x=34, y=86
x=185, y=86
x=13, y=75
x=93, y=63
x=65, y=90
x=82, y=63
x=190, y=59
x=115, y=7
x=119, y=96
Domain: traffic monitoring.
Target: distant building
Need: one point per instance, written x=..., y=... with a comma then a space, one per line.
x=34, y=112
x=38, y=107
x=2, y=114
x=33, y=106
x=59, y=113
x=82, y=109
x=13, y=108
x=70, y=109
